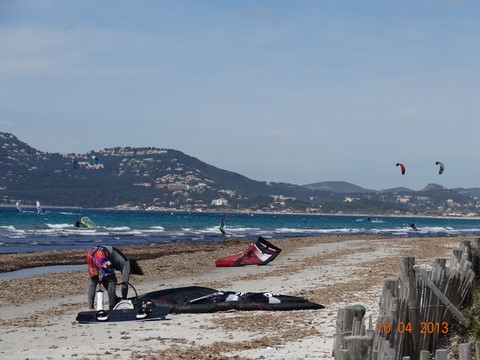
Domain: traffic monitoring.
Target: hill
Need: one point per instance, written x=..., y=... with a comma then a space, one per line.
x=337, y=187
x=123, y=176
x=160, y=178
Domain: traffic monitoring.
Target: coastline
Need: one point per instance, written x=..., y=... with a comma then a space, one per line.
x=246, y=211
x=38, y=313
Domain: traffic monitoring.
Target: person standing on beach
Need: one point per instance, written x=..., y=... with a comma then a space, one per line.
x=105, y=260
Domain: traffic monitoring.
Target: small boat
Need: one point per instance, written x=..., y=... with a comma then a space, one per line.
x=85, y=222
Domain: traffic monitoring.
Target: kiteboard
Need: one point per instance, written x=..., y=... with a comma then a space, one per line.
x=142, y=314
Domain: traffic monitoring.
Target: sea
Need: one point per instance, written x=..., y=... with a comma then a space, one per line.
x=54, y=229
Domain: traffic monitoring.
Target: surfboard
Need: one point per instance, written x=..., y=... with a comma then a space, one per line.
x=92, y=317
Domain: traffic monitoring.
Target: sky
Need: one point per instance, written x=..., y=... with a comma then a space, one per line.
x=295, y=91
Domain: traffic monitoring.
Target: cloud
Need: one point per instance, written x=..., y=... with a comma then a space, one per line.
x=256, y=13
x=7, y=123
x=261, y=11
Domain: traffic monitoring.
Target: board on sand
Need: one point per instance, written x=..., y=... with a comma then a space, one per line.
x=156, y=313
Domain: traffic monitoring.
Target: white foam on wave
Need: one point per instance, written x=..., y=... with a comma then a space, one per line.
x=209, y=230
x=59, y=226
x=127, y=232
x=8, y=227
x=238, y=228
x=119, y=228
x=151, y=230
x=90, y=232
x=46, y=231
x=157, y=227
x=316, y=231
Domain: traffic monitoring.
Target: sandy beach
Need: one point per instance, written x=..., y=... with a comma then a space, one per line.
x=37, y=317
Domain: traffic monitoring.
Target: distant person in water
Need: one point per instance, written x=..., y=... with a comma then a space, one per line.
x=104, y=260
x=222, y=225
x=414, y=226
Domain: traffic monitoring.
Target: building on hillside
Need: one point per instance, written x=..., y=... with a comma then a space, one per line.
x=220, y=202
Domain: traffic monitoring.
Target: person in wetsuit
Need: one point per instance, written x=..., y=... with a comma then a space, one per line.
x=222, y=226
x=105, y=260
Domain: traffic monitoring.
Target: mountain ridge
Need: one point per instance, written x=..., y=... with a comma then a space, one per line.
x=160, y=178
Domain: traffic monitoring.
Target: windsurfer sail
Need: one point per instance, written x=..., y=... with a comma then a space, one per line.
x=17, y=205
x=39, y=208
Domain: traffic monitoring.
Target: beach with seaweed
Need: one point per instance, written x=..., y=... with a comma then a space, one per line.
x=38, y=312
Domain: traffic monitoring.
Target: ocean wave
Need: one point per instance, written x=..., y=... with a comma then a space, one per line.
x=27, y=232
x=8, y=227
x=59, y=226
x=119, y=228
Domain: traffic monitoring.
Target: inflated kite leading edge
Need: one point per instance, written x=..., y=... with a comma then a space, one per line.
x=260, y=252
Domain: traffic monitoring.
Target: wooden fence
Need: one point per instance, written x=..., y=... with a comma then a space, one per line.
x=415, y=311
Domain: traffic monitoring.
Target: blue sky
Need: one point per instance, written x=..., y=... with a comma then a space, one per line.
x=286, y=90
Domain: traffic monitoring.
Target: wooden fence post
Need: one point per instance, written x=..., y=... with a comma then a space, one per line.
x=441, y=354
x=350, y=340
x=424, y=355
x=456, y=313
x=412, y=346
x=416, y=296
x=464, y=351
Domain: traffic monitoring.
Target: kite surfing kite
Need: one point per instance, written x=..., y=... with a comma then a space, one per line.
x=260, y=252
x=95, y=159
x=197, y=299
x=191, y=300
x=441, y=168
x=401, y=167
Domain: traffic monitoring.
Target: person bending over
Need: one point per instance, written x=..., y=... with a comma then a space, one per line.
x=105, y=260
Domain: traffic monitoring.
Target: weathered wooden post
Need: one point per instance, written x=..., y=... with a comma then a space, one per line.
x=343, y=354
x=410, y=343
x=476, y=256
x=464, y=351
x=456, y=313
x=351, y=340
x=424, y=355
x=441, y=354
x=477, y=349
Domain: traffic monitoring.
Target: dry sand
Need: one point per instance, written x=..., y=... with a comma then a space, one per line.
x=38, y=313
